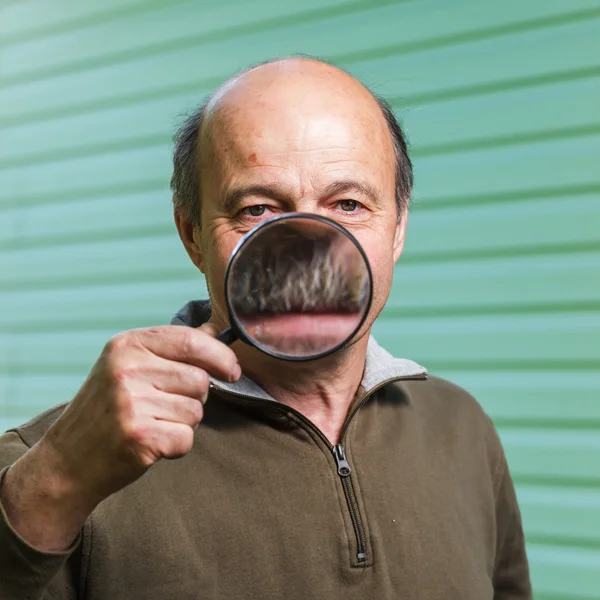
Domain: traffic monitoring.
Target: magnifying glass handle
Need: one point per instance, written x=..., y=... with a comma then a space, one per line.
x=228, y=336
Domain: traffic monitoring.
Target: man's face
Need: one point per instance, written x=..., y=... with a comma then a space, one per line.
x=301, y=138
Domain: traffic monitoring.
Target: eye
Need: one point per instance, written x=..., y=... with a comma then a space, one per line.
x=257, y=210
x=348, y=205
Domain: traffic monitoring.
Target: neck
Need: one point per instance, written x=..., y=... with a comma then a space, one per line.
x=322, y=390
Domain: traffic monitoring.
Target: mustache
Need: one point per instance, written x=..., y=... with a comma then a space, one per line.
x=300, y=276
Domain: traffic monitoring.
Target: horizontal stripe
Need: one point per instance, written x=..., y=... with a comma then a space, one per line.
x=435, y=257
x=563, y=542
x=82, y=194
x=549, y=596
x=66, y=24
x=564, y=482
x=509, y=196
x=173, y=274
x=222, y=35
x=528, y=81
x=485, y=33
x=541, y=423
x=514, y=139
x=518, y=366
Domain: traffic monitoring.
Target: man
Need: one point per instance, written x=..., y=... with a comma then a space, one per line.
x=352, y=476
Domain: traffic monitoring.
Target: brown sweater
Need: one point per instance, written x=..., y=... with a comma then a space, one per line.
x=416, y=503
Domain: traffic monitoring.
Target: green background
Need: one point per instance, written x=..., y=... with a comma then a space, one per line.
x=499, y=287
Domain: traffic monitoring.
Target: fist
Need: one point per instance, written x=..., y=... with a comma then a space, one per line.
x=141, y=402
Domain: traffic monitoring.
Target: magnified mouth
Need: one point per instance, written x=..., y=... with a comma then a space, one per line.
x=301, y=296
x=300, y=334
x=303, y=277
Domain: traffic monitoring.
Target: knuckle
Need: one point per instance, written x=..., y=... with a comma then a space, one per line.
x=114, y=361
x=176, y=446
x=202, y=380
x=125, y=408
x=185, y=441
x=197, y=412
x=189, y=342
x=154, y=331
x=131, y=431
x=123, y=375
x=118, y=342
x=189, y=411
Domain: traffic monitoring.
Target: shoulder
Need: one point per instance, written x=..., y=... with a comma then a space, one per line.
x=446, y=411
x=441, y=397
x=32, y=431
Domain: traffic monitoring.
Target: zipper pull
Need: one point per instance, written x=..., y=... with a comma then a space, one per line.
x=343, y=468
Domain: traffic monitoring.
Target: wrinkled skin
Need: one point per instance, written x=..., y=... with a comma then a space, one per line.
x=295, y=136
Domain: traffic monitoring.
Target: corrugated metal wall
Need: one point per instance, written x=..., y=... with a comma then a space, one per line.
x=499, y=288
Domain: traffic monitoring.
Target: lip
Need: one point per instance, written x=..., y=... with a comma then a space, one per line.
x=301, y=334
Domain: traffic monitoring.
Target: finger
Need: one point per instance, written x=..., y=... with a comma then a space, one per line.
x=194, y=347
x=168, y=376
x=182, y=379
x=175, y=409
x=210, y=329
x=166, y=439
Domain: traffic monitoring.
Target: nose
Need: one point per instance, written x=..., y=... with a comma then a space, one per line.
x=309, y=206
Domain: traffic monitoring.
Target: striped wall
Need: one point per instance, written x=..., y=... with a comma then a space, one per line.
x=499, y=288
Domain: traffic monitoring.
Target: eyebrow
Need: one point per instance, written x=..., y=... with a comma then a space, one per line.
x=236, y=195
x=351, y=185
x=233, y=198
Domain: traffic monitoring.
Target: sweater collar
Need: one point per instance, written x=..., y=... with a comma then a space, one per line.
x=380, y=365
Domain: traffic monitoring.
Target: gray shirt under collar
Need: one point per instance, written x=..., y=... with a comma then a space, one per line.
x=380, y=365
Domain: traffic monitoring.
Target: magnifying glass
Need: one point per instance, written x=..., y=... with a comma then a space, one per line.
x=297, y=287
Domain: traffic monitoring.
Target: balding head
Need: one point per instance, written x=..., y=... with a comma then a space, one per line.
x=293, y=135
x=289, y=98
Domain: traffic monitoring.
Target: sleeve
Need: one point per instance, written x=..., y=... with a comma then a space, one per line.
x=511, y=571
x=27, y=573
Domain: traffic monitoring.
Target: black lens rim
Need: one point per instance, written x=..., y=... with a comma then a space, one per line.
x=233, y=320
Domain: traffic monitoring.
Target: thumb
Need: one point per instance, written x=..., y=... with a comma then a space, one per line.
x=210, y=329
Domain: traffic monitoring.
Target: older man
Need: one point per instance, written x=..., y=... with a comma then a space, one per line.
x=350, y=476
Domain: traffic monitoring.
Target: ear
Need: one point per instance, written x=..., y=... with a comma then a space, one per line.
x=400, y=235
x=191, y=238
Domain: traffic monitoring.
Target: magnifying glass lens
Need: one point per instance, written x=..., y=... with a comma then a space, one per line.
x=298, y=287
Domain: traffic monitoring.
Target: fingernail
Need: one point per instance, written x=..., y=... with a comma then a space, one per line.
x=237, y=373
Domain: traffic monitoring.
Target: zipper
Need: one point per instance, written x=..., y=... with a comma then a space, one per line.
x=344, y=471
x=339, y=454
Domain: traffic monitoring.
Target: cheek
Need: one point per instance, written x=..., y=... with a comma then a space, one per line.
x=381, y=261
x=219, y=247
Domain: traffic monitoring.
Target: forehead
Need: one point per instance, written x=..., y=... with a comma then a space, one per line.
x=306, y=122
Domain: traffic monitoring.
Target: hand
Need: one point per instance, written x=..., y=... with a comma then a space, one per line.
x=140, y=403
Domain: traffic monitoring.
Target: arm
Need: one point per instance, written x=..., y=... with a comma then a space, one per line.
x=140, y=404
x=511, y=572
x=26, y=571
